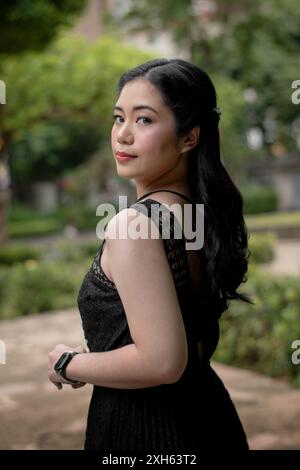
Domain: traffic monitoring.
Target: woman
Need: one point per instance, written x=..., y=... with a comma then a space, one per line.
x=150, y=307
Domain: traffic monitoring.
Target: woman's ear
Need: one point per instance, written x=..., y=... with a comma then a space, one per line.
x=190, y=140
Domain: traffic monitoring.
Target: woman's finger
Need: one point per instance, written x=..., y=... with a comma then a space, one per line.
x=81, y=384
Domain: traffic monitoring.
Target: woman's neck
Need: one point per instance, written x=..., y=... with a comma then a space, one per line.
x=179, y=188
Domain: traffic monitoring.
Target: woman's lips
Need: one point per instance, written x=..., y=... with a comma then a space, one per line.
x=123, y=156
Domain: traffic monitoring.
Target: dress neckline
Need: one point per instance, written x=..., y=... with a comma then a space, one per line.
x=166, y=190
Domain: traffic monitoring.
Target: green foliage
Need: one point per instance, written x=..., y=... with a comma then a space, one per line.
x=53, y=147
x=66, y=251
x=258, y=199
x=39, y=280
x=11, y=254
x=261, y=247
x=177, y=17
x=34, y=228
x=26, y=223
x=21, y=213
x=259, y=337
x=80, y=217
x=233, y=122
x=273, y=220
x=62, y=251
x=34, y=287
x=31, y=25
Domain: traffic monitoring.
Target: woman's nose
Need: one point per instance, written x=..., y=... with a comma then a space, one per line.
x=124, y=135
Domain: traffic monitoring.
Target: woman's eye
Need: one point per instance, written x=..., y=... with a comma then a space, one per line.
x=115, y=116
x=148, y=120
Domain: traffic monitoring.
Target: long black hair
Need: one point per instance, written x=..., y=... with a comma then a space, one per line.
x=189, y=92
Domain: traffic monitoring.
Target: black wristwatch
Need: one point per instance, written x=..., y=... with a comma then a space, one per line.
x=61, y=364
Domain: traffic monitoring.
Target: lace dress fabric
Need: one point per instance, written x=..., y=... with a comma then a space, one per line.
x=195, y=413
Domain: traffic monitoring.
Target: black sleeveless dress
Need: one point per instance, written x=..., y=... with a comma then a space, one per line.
x=195, y=413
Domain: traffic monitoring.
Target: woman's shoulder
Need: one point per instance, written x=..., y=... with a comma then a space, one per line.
x=134, y=238
x=129, y=223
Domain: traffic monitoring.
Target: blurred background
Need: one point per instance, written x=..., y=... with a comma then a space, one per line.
x=59, y=66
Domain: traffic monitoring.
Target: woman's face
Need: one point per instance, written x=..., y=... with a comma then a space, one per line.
x=148, y=134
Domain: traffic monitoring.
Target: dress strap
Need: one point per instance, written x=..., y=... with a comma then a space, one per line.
x=168, y=191
x=169, y=230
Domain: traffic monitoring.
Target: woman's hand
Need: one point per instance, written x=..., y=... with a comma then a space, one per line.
x=53, y=357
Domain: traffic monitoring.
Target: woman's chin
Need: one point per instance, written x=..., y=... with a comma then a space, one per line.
x=124, y=174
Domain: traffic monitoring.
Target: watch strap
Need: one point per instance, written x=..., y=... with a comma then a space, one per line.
x=62, y=372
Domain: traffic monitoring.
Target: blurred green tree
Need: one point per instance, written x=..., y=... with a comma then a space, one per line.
x=45, y=151
x=26, y=26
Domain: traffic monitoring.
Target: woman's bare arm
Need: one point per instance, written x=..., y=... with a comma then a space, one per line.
x=124, y=367
x=141, y=272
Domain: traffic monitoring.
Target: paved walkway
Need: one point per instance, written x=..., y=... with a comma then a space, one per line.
x=35, y=415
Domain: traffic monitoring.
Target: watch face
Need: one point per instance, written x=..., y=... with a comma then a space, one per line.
x=62, y=361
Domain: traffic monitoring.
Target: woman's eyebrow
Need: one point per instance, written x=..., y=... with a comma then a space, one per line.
x=142, y=106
